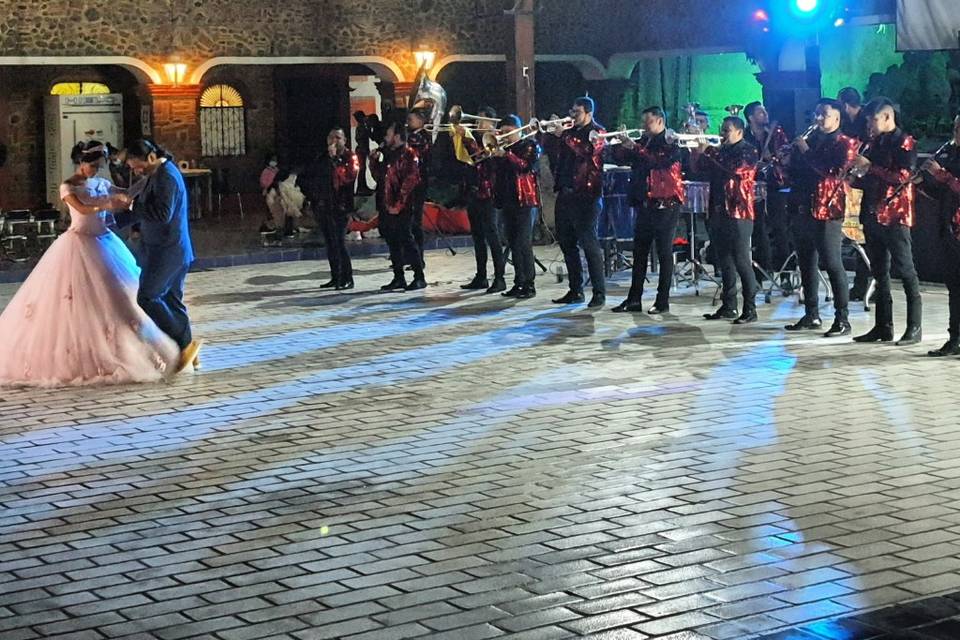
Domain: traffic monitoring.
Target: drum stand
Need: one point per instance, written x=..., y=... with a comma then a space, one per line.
x=693, y=271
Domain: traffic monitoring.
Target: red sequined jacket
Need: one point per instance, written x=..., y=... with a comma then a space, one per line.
x=817, y=175
x=422, y=142
x=397, y=173
x=578, y=163
x=732, y=170
x=346, y=167
x=948, y=178
x=478, y=177
x=892, y=156
x=516, y=175
x=657, y=176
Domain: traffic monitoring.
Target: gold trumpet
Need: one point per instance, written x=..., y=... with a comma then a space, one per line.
x=456, y=116
x=494, y=141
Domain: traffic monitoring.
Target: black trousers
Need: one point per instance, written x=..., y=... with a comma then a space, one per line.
x=952, y=279
x=732, y=240
x=362, y=186
x=483, y=228
x=419, y=197
x=397, y=230
x=760, y=239
x=821, y=240
x=658, y=226
x=888, y=246
x=519, y=223
x=334, y=228
x=577, y=216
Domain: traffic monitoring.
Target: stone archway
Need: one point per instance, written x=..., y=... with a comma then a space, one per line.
x=386, y=69
x=141, y=70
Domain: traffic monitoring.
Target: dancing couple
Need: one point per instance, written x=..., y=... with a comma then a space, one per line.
x=88, y=314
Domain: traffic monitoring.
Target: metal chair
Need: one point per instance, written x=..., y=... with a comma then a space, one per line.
x=46, y=225
x=16, y=227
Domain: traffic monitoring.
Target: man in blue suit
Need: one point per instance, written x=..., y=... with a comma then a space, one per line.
x=162, y=210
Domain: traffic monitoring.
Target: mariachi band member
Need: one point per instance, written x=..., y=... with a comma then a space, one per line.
x=344, y=167
x=732, y=171
x=769, y=140
x=396, y=168
x=944, y=169
x=855, y=126
x=518, y=197
x=887, y=214
x=421, y=141
x=477, y=186
x=578, y=181
x=656, y=193
x=818, y=168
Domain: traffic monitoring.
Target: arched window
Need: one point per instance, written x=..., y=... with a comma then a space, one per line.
x=78, y=88
x=222, y=130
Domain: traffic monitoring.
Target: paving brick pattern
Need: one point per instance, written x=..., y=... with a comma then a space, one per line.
x=452, y=465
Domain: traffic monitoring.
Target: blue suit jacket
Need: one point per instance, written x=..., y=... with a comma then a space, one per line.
x=163, y=212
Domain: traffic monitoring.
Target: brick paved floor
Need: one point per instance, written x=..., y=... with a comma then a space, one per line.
x=448, y=465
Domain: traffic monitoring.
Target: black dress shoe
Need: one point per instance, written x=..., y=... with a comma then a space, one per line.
x=512, y=293
x=345, y=285
x=950, y=348
x=747, y=317
x=877, y=334
x=497, y=286
x=570, y=297
x=329, y=285
x=394, y=285
x=721, y=314
x=628, y=306
x=476, y=284
x=657, y=309
x=912, y=335
x=805, y=323
x=597, y=301
x=526, y=293
x=416, y=283
x=837, y=329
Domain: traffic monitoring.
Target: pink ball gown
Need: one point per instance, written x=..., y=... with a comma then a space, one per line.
x=75, y=320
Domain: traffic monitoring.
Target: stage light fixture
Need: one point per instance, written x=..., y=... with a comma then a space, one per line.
x=806, y=6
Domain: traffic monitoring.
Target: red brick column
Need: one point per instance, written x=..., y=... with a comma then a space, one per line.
x=176, y=121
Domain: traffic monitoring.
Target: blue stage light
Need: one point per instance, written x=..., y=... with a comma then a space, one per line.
x=806, y=6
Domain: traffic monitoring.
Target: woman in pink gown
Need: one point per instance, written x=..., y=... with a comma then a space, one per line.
x=75, y=320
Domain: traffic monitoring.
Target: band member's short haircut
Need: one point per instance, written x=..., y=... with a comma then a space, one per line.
x=586, y=102
x=850, y=96
x=398, y=129
x=656, y=112
x=879, y=104
x=511, y=120
x=750, y=108
x=488, y=112
x=735, y=121
x=703, y=114
x=830, y=102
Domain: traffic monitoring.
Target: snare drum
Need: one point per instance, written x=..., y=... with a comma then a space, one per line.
x=851, y=218
x=697, y=196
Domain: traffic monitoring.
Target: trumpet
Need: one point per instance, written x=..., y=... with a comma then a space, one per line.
x=456, y=116
x=692, y=140
x=914, y=177
x=552, y=126
x=494, y=141
x=613, y=137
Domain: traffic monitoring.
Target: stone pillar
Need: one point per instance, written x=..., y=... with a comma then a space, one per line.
x=401, y=93
x=176, y=121
x=520, y=61
x=791, y=83
x=364, y=96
